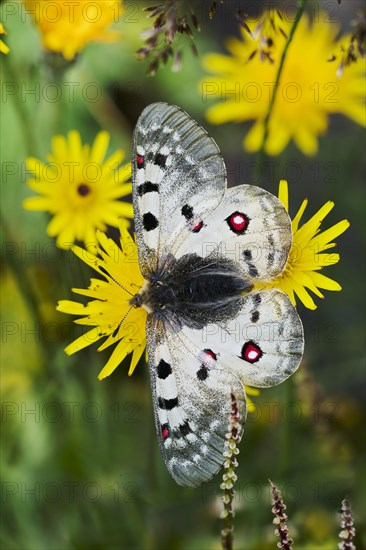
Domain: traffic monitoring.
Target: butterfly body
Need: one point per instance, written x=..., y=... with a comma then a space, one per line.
x=193, y=291
x=201, y=249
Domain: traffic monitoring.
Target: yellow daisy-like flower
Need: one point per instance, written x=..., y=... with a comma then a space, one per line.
x=110, y=311
x=80, y=188
x=309, y=90
x=67, y=27
x=3, y=47
x=307, y=255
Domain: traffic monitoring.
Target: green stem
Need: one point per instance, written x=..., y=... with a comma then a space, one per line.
x=22, y=111
x=299, y=12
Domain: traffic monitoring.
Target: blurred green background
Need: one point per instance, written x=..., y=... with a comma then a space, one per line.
x=80, y=462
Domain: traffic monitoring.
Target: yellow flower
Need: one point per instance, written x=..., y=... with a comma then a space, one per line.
x=109, y=311
x=310, y=87
x=67, y=27
x=80, y=188
x=307, y=255
x=3, y=47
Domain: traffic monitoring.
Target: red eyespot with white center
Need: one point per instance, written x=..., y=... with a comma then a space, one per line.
x=197, y=227
x=238, y=222
x=140, y=161
x=251, y=352
x=207, y=356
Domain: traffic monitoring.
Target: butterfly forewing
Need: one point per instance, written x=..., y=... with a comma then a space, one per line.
x=178, y=177
x=192, y=410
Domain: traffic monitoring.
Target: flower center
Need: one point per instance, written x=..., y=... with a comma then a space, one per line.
x=83, y=189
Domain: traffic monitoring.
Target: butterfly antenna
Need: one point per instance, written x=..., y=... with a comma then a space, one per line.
x=103, y=270
x=115, y=332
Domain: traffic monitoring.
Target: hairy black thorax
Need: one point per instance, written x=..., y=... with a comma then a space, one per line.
x=194, y=291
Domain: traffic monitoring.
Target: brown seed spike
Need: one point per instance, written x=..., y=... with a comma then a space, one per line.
x=280, y=519
x=348, y=530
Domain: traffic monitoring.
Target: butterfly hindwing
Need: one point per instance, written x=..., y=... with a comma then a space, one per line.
x=178, y=177
x=191, y=410
x=262, y=344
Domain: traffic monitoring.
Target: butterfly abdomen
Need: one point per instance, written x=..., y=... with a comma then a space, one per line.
x=213, y=287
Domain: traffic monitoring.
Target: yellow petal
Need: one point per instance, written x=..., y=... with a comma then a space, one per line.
x=306, y=140
x=113, y=162
x=59, y=146
x=75, y=145
x=136, y=355
x=83, y=341
x=330, y=234
x=278, y=137
x=304, y=296
x=325, y=282
x=297, y=218
x=73, y=308
x=283, y=193
x=41, y=204
x=99, y=148
x=115, y=359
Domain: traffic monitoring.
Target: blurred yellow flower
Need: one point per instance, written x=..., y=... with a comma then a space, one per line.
x=3, y=47
x=306, y=256
x=80, y=188
x=67, y=27
x=253, y=392
x=110, y=311
x=311, y=86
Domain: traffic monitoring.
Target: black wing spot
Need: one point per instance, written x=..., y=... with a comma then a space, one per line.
x=168, y=404
x=164, y=369
x=254, y=317
x=247, y=254
x=187, y=212
x=270, y=258
x=253, y=271
x=202, y=373
x=257, y=300
x=185, y=428
x=147, y=187
x=160, y=160
x=149, y=221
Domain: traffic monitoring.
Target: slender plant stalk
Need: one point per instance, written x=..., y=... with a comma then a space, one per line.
x=348, y=530
x=229, y=477
x=24, y=116
x=299, y=12
x=280, y=519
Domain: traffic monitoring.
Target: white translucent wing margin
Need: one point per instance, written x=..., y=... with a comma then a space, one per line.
x=250, y=226
x=191, y=410
x=263, y=345
x=178, y=177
